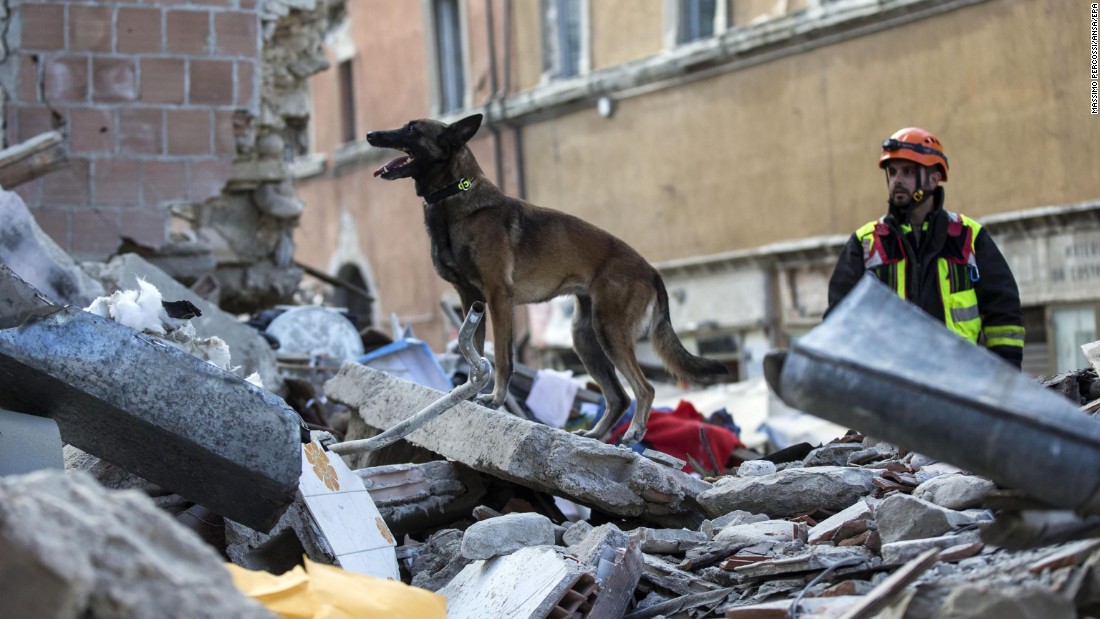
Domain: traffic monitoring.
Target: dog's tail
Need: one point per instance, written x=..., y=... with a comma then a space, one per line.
x=678, y=360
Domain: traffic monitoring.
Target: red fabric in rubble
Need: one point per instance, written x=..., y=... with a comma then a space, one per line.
x=676, y=433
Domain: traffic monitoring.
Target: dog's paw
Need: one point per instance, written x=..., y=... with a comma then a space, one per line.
x=487, y=400
x=631, y=438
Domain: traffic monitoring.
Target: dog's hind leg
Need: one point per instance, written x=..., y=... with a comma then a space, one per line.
x=616, y=327
x=599, y=367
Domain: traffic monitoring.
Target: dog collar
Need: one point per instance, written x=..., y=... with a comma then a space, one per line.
x=463, y=184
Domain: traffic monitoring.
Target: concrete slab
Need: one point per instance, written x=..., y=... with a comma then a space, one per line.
x=155, y=411
x=613, y=479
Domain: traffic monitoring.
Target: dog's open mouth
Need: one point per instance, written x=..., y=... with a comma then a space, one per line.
x=399, y=162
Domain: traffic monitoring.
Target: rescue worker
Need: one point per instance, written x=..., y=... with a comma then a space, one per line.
x=943, y=262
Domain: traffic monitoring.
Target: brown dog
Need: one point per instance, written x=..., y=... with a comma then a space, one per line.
x=504, y=251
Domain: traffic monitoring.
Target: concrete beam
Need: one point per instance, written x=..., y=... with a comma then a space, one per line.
x=151, y=409
x=613, y=479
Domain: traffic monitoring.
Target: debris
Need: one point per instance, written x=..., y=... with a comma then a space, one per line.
x=35, y=157
x=789, y=492
x=232, y=448
x=880, y=596
x=506, y=534
x=613, y=479
x=955, y=491
x=901, y=517
x=420, y=497
x=836, y=374
x=71, y=548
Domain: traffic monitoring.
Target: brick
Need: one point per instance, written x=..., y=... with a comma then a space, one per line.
x=30, y=192
x=28, y=79
x=145, y=226
x=89, y=28
x=163, y=181
x=67, y=186
x=211, y=82
x=188, y=32
x=188, y=132
x=65, y=78
x=117, y=182
x=33, y=121
x=139, y=30
x=248, y=4
x=225, y=138
x=55, y=223
x=141, y=131
x=91, y=130
x=114, y=79
x=246, y=83
x=235, y=34
x=208, y=178
x=43, y=26
x=162, y=80
x=94, y=232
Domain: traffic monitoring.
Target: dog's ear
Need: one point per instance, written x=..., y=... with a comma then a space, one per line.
x=461, y=131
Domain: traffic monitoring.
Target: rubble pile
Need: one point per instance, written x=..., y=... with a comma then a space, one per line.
x=117, y=446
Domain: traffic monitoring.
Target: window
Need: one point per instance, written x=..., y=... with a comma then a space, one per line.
x=563, y=38
x=347, y=102
x=695, y=19
x=1073, y=326
x=450, y=75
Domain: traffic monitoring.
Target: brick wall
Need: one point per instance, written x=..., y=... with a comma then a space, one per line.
x=146, y=94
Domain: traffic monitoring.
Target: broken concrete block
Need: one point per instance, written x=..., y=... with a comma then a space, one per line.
x=28, y=443
x=935, y=469
x=790, y=492
x=613, y=479
x=667, y=541
x=71, y=548
x=531, y=583
x=31, y=253
x=902, y=517
x=955, y=491
x=833, y=454
x=767, y=532
x=506, y=534
x=824, y=531
x=155, y=411
x=419, y=497
x=438, y=560
x=248, y=348
x=576, y=532
x=907, y=550
x=756, y=468
x=737, y=516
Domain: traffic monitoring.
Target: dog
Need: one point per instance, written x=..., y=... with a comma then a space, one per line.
x=503, y=251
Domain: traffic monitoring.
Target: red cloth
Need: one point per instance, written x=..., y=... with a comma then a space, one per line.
x=676, y=433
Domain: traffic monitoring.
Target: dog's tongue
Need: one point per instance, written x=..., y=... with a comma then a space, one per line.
x=400, y=161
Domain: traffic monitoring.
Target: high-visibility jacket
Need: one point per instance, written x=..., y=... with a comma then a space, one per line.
x=956, y=274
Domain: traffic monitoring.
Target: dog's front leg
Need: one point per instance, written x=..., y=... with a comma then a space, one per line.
x=500, y=313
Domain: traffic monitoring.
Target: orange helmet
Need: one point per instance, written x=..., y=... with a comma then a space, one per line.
x=914, y=144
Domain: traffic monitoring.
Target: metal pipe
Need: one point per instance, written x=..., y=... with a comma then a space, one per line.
x=480, y=374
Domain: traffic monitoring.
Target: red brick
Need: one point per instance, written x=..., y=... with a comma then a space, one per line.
x=65, y=79
x=89, y=28
x=94, y=232
x=225, y=139
x=55, y=223
x=139, y=30
x=211, y=82
x=43, y=26
x=140, y=131
x=91, y=130
x=145, y=226
x=248, y=4
x=35, y=120
x=208, y=178
x=28, y=79
x=114, y=79
x=188, y=132
x=161, y=80
x=67, y=186
x=246, y=83
x=188, y=32
x=163, y=181
x=235, y=34
x=117, y=182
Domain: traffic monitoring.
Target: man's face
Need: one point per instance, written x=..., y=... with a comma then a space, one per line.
x=901, y=181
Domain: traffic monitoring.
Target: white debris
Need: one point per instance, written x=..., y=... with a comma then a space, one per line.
x=141, y=310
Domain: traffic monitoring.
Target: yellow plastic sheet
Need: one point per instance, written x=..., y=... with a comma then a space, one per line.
x=326, y=592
